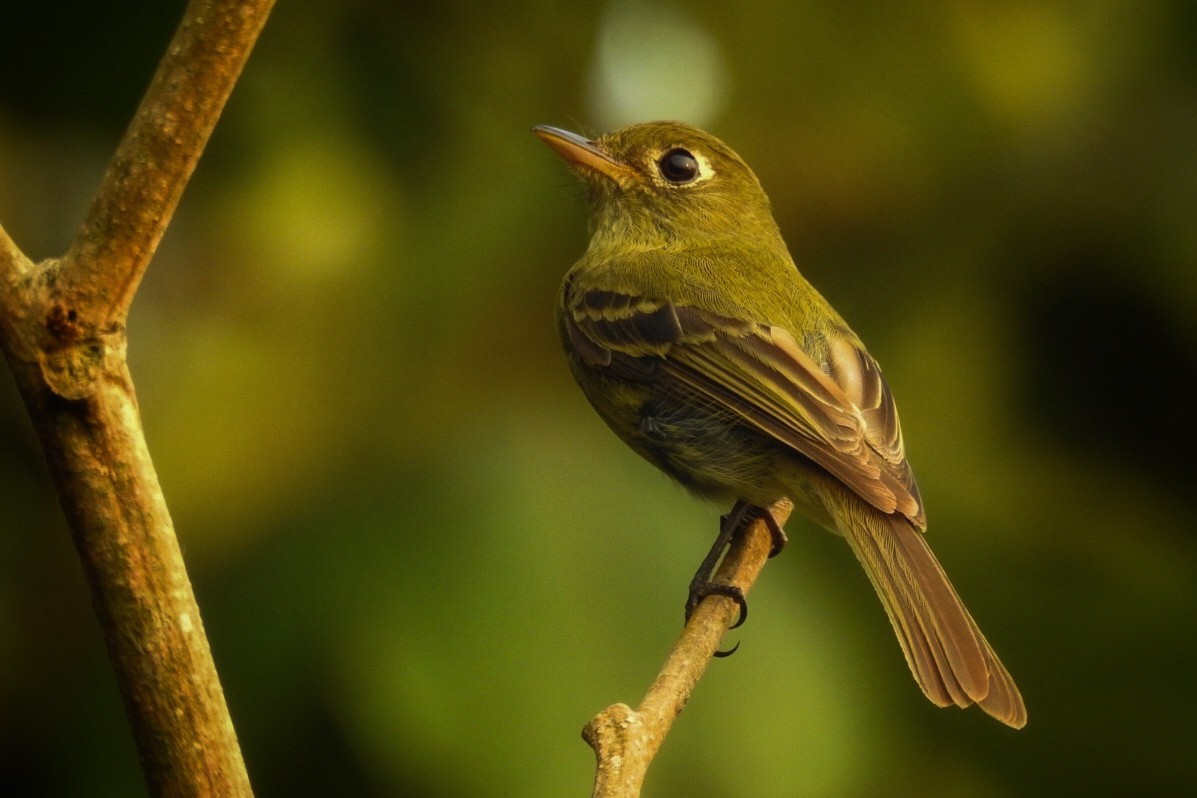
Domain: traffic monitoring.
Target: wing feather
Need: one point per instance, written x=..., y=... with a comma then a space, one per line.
x=841, y=415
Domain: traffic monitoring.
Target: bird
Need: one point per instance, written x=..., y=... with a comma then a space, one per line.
x=691, y=331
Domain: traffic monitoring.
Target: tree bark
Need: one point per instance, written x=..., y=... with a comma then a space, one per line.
x=62, y=329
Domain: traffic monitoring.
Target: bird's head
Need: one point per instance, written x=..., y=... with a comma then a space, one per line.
x=662, y=184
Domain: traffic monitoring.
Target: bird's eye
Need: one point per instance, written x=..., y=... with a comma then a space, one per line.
x=678, y=166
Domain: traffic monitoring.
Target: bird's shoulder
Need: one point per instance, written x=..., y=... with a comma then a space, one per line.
x=748, y=285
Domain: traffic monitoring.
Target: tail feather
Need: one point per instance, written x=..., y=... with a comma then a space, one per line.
x=920, y=650
x=949, y=657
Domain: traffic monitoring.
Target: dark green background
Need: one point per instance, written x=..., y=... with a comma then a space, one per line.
x=424, y=563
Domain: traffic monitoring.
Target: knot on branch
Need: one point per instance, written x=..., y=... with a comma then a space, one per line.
x=63, y=324
x=71, y=373
x=73, y=355
x=622, y=754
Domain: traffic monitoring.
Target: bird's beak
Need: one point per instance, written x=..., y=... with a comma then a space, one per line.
x=581, y=152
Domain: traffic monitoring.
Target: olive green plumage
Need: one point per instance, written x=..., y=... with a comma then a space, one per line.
x=694, y=336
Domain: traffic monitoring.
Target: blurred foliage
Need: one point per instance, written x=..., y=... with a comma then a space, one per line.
x=424, y=562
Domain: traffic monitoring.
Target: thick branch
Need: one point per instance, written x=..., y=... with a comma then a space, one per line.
x=625, y=740
x=63, y=333
x=140, y=589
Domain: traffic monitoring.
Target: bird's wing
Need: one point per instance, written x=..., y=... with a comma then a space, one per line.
x=842, y=417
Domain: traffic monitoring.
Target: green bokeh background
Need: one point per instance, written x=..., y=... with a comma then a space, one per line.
x=423, y=562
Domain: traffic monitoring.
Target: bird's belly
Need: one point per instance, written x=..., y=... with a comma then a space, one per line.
x=707, y=449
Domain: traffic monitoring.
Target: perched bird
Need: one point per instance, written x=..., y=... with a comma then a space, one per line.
x=692, y=333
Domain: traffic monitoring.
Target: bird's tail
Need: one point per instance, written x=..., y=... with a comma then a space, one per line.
x=948, y=655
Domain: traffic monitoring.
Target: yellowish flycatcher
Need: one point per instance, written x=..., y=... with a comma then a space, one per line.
x=691, y=331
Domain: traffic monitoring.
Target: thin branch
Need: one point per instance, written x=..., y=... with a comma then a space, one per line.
x=160, y=150
x=625, y=740
x=63, y=333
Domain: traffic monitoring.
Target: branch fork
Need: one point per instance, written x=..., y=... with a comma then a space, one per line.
x=62, y=330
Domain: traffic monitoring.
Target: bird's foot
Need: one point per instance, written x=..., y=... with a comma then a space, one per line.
x=703, y=584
